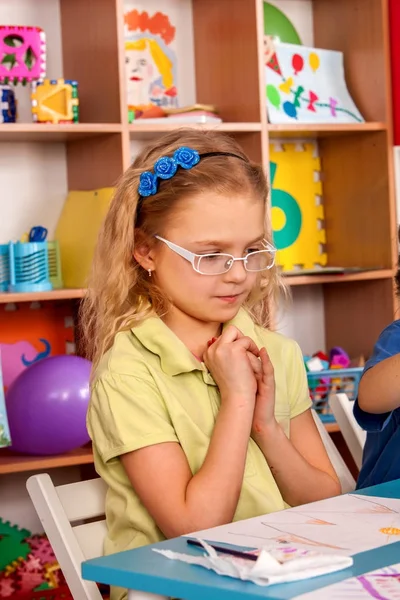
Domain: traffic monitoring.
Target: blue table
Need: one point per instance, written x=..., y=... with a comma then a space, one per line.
x=145, y=570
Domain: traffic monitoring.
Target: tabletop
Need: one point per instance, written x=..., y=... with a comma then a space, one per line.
x=145, y=570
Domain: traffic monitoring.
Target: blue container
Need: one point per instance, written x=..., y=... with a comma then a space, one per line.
x=4, y=268
x=29, y=267
x=323, y=384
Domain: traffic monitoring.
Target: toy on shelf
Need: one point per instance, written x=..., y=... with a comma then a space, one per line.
x=55, y=101
x=328, y=375
x=77, y=231
x=31, y=265
x=8, y=105
x=47, y=405
x=22, y=54
x=32, y=333
x=4, y=267
x=297, y=206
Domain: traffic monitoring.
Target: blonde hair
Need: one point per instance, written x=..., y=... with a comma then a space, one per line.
x=120, y=292
x=161, y=60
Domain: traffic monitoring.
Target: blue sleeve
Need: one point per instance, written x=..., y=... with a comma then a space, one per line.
x=388, y=345
x=370, y=422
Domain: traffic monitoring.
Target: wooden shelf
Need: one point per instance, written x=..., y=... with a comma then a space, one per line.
x=47, y=132
x=11, y=462
x=146, y=129
x=338, y=278
x=64, y=294
x=322, y=130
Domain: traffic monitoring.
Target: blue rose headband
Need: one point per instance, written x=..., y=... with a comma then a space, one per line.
x=167, y=166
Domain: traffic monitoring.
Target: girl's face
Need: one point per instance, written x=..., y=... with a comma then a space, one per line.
x=210, y=223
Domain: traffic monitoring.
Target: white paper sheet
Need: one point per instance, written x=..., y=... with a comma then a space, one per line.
x=270, y=568
x=307, y=85
x=344, y=525
x=382, y=584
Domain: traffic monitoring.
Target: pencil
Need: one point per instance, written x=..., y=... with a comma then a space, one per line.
x=224, y=550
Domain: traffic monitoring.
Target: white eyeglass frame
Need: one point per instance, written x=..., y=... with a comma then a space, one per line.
x=191, y=256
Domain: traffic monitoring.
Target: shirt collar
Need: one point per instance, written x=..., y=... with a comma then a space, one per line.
x=174, y=356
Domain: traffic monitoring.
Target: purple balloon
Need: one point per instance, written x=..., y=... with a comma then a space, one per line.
x=47, y=405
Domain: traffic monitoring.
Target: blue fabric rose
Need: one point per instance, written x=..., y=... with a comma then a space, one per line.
x=165, y=167
x=147, y=184
x=186, y=157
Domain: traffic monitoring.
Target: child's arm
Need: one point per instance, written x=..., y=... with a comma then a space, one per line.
x=179, y=501
x=379, y=389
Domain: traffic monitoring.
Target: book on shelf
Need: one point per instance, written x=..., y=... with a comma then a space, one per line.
x=5, y=438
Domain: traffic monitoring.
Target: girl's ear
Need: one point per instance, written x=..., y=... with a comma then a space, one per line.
x=143, y=251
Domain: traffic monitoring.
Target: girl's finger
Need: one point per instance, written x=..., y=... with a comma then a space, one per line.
x=267, y=366
x=230, y=334
x=255, y=364
x=248, y=344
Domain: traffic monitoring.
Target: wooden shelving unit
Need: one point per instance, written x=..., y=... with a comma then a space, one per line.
x=339, y=278
x=64, y=294
x=321, y=130
x=11, y=462
x=229, y=71
x=142, y=126
x=46, y=132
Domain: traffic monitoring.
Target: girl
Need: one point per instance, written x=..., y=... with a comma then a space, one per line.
x=198, y=415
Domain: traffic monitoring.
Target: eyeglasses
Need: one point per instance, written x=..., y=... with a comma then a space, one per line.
x=217, y=264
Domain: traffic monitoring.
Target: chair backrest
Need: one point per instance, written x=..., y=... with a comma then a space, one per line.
x=61, y=511
x=354, y=436
x=345, y=477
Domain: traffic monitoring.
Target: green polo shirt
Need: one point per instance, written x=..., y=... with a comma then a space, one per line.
x=150, y=389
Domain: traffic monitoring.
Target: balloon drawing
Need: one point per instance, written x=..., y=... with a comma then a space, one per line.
x=313, y=60
x=273, y=95
x=298, y=63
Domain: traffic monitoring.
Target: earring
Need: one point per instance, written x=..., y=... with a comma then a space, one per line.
x=149, y=272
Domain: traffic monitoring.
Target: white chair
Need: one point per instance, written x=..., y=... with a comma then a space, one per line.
x=353, y=435
x=61, y=511
x=345, y=477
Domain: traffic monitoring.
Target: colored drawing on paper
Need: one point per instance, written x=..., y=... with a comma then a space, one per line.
x=382, y=584
x=150, y=61
x=297, y=210
x=344, y=525
x=306, y=85
x=284, y=537
x=390, y=530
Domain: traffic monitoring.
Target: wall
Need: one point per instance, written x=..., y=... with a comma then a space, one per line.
x=32, y=176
